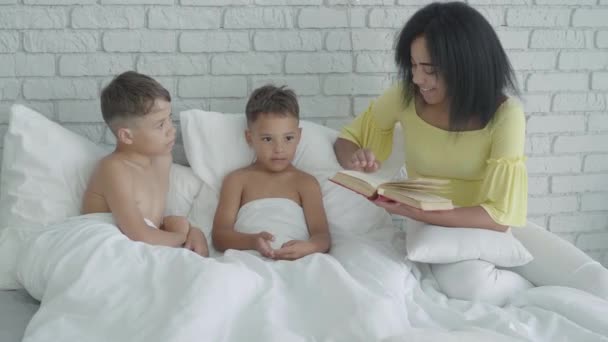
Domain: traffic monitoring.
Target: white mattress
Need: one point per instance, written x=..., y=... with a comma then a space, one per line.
x=16, y=310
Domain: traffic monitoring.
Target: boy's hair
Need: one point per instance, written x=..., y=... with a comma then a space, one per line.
x=271, y=99
x=130, y=95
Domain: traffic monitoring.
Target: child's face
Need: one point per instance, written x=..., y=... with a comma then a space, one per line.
x=275, y=139
x=153, y=133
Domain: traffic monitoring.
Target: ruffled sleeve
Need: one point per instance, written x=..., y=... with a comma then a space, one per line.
x=373, y=129
x=504, y=190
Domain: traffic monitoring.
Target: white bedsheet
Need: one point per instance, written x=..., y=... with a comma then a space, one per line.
x=281, y=217
x=96, y=285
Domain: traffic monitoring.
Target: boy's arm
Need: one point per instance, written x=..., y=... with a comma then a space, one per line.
x=197, y=242
x=117, y=181
x=316, y=220
x=314, y=212
x=175, y=224
x=223, y=234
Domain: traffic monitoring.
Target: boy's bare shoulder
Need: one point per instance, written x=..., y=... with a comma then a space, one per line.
x=107, y=168
x=238, y=175
x=105, y=177
x=112, y=161
x=118, y=162
x=305, y=179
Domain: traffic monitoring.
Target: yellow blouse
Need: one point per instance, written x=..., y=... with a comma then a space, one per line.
x=486, y=167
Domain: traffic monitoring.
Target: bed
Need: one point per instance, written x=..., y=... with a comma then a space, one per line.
x=16, y=309
x=96, y=285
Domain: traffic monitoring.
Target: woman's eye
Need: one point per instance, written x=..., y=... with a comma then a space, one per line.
x=430, y=70
x=289, y=138
x=266, y=139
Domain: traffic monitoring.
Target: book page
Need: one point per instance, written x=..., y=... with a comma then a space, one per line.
x=417, y=199
x=424, y=189
x=370, y=178
x=422, y=196
x=376, y=180
x=424, y=181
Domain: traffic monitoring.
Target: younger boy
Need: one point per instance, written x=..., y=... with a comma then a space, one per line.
x=132, y=182
x=273, y=132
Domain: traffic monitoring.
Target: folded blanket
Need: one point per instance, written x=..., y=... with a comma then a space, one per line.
x=281, y=217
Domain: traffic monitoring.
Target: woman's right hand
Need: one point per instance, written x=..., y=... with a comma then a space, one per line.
x=364, y=160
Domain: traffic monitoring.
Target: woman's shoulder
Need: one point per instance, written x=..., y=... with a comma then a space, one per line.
x=395, y=90
x=510, y=113
x=393, y=98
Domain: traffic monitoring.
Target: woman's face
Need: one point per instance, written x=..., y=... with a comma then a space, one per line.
x=425, y=75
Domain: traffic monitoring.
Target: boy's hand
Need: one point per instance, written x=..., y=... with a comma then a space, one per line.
x=262, y=244
x=295, y=249
x=176, y=224
x=196, y=242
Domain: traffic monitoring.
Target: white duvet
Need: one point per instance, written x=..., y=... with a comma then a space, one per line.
x=96, y=285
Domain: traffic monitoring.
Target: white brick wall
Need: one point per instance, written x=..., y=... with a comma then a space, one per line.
x=55, y=55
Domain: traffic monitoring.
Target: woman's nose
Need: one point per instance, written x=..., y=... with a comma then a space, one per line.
x=416, y=77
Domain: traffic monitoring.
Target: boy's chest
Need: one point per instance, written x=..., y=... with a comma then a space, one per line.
x=271, y=188
x=150, y=190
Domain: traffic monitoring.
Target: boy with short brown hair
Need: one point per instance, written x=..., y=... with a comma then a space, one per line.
x=272, y=188
x=132, y=182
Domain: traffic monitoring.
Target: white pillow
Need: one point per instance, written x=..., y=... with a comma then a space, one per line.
x=439, y=245
x=45, y=170
x=203, y=210
x=215, y=145
x=184, y=185
x=315, y=153
x=351, y=213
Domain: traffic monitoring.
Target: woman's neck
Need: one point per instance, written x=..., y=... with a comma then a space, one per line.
x=438, y=115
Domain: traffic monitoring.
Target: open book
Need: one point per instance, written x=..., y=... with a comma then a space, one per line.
x=419, y=192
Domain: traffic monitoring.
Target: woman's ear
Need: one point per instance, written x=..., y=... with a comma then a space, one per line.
x=124, y=135
x=248, y=136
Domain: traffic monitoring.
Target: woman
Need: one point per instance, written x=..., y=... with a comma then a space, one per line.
x=460, y=124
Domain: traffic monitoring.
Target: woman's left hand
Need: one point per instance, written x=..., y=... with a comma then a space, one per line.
x=472, y=217
x=401, y=209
